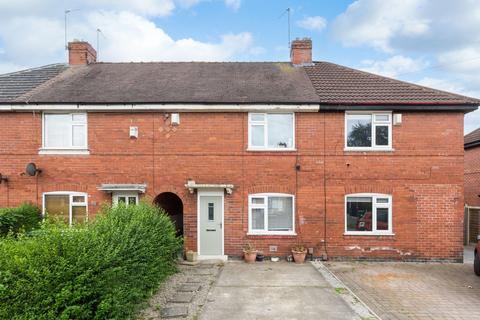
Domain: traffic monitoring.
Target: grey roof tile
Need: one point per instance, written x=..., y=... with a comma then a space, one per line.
x=16, y=84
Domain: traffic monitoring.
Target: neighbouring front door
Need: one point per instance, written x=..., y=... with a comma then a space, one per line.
x=210, y=225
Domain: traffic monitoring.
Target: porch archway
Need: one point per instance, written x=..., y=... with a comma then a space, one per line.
x=173, y=206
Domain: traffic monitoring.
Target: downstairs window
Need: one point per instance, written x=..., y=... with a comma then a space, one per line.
x=71, y=207
x=271, y=214
x=368, y=214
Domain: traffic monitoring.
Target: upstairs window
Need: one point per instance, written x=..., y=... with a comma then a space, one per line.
x=368, y=131
x=65, y=131
x=271, y=131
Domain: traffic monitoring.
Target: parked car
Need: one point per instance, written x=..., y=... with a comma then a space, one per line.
x=476, y=261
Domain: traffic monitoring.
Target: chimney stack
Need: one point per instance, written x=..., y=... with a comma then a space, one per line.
x=81, y=53
x=301, y=52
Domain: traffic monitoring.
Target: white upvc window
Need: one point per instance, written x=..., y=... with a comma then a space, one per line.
x=368, y=214
x=271, y=213
x=368, y=131
x=127, y=198
x=271, y=131
x=64, y=133
x=71, y=207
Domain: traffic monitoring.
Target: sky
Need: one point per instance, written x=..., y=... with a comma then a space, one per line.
x=434, y=43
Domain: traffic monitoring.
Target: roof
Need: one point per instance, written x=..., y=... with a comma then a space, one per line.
x=343, y=86
x=332, y=86
x=15, y=84
x=472, y=139
x=180, y=82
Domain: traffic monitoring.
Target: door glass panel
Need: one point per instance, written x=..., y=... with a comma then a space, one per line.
x=132, y=200
x=382, y=218
x=79, y=214
x=359, y=214
x=211, y=211
x=57, y=206
x=258, y=219
x=382, y=117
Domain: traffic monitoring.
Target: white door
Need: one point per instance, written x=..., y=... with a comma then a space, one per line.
x=210, y=225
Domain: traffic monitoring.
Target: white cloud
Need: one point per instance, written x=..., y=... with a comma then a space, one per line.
x=234, y=4
x=375, y=22
x=393, y=66
x=472, y=119
x=316, y=23
x=133, y=38
x=417, y=25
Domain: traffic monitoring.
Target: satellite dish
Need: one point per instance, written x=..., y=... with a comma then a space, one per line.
x=32, y=170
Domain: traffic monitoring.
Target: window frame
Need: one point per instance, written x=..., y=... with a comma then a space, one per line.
x=375, y=205
x=71, y=149
x=71, y=194
x=265, y=133
x=375, y=123
x=265, y=231
x=126, y=194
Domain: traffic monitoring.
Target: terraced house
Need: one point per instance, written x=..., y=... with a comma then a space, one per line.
x=348, y=163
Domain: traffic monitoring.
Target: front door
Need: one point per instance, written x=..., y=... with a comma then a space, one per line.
x=211, y=225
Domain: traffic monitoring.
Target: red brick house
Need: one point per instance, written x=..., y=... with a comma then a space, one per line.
x=273, y=153
x=472, y=185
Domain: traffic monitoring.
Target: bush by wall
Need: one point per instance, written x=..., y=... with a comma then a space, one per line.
x=100, y=270
x=25, y=217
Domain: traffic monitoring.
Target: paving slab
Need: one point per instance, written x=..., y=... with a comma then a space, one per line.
x=174, y=312
x=189, y=288
x=400, y=290
x=274, y=290
x=182, y=297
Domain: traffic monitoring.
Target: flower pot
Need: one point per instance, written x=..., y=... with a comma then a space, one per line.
x=299, y=256
x=250, y=256
x=191, y=256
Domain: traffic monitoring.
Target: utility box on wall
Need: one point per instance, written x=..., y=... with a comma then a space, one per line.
x=175, y=119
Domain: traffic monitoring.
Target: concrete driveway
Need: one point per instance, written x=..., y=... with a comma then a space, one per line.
x=270, y=290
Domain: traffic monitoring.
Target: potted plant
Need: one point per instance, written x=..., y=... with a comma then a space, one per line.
x=299, y=252
x=249, y=253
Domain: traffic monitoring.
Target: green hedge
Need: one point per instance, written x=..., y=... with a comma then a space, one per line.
x=101, y=270
x=26, y=217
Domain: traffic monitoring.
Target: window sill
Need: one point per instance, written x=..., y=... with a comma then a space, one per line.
x=272, y=150
x=271, y=234
x=46, y=151
x=360, y=233
x=368, y=150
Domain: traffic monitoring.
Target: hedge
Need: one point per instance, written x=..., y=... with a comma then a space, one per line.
x=101, y=270
x=25, y=217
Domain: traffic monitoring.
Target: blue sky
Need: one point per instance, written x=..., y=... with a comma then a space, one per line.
x=430, y=42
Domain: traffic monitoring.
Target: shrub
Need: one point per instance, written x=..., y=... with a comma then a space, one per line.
x=26, y=217
x=100, y=270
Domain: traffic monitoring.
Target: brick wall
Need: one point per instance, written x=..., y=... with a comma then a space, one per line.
x=424, y=174
x=472, y=176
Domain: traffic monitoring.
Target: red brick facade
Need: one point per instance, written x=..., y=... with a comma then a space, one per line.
x=472, y=176
x=424, y=175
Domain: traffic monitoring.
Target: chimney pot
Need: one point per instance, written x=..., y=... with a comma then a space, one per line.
x=81, y=53
x=301, y=52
